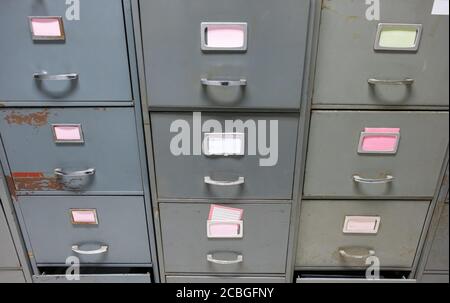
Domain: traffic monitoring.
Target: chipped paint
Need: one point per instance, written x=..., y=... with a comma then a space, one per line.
x=33, y=119
x=36, y=182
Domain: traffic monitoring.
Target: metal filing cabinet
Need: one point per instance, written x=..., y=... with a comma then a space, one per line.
x=358, y=71
x=73, y=148
x=241, y=62
x=378, y=140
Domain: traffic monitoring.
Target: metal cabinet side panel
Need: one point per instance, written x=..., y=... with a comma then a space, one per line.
x=346, y=58
x=438, y=258
x=8, y=255
x=10, y=276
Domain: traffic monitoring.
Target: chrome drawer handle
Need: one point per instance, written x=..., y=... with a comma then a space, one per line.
x=344, y=254
x=84, y=173
x=103, y=249
x=226, y=83
x=385, y=180
x=238, y=260
x=239, y=181
x=406, y=81
x=62, y=77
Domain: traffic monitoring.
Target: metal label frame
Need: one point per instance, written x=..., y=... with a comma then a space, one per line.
x=369, y=134
x=207, y=136
x=62, y=37
x=59, y=141
x=72, y=220
x=239, y=235
x=374, y=231
x=204, y=43
x=381, y=26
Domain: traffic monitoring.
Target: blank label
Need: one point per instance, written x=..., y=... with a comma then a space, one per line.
x=84, y=216
x=396, y=38
x=379, y=140
x=68, y=133
x=361, y=225
x=47, y=28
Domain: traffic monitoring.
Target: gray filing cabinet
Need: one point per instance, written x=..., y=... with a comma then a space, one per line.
x=378, y=140
x=244, y=63
x=72, y=143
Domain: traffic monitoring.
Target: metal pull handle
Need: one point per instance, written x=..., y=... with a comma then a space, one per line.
x=406, y=81
x=103, y=249
x=62, y=77
x=226, y=83
x=239, y=181
x=211, y=259
x=344, y=254
x=84, y=173
x=385, y=180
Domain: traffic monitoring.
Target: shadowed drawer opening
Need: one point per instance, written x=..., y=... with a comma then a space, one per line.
x=95, y=270
x=349, y=274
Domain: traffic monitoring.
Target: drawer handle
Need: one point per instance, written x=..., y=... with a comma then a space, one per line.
x=103, y=249
x=239, y=181
x=61, y=77
x=385, y=180
x=344, y=254
x=211, y=259
x=226, y=83
x=84, y=173
x=406, y=81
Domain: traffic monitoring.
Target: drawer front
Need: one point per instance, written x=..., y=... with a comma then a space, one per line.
x=8, y=255
x=345, y=30
x=54, y=230
x=108, y=145
x=352, y=280
x=10, y=276
x=94, y=49
x=181, y=173
x=223, y=279
x=323, y=243
x=276, y=45
x=118, y=278
x=435, y=278
x=262, y=248
x=438, y=257
x=334, y=163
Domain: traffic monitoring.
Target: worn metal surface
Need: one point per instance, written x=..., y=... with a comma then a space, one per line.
x=8, y=255
x=223, y=279
x=95, y=48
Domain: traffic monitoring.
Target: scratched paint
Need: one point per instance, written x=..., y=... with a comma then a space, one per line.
x=33, y=119
x=36, y=182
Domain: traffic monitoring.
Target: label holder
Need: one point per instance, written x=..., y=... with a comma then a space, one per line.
x=36, y=37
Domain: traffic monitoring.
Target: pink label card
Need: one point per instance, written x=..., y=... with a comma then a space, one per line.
x=225, y=36
x=86, y=216
x=46, y=27
x=67, y=133
x=379, y=140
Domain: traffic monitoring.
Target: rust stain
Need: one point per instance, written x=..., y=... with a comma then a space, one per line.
x=11, y=187
x=36, y=182
x=33, y=119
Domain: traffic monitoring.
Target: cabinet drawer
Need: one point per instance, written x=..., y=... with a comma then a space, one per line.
x=117, y=278
x=324, y=243
x=223, y=279
x=11, y=276
x=8, y=255
x=252, y=175
x=245, y=63
x=90, y=64
x=346, y=31
x=335, y=166
x=262, y=248
x=100, y=235
x=67, y=144
x=438, y=257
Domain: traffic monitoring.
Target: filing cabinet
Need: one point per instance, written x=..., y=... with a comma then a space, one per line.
x=88, y=63
x=408, y=68
x=224, y=55
x=72, y=145
x=224, y=86
x=335, y=158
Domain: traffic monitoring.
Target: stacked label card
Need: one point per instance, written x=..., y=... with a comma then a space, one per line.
x=225, y=222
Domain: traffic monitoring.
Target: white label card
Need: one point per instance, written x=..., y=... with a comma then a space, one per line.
x=440, y=7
